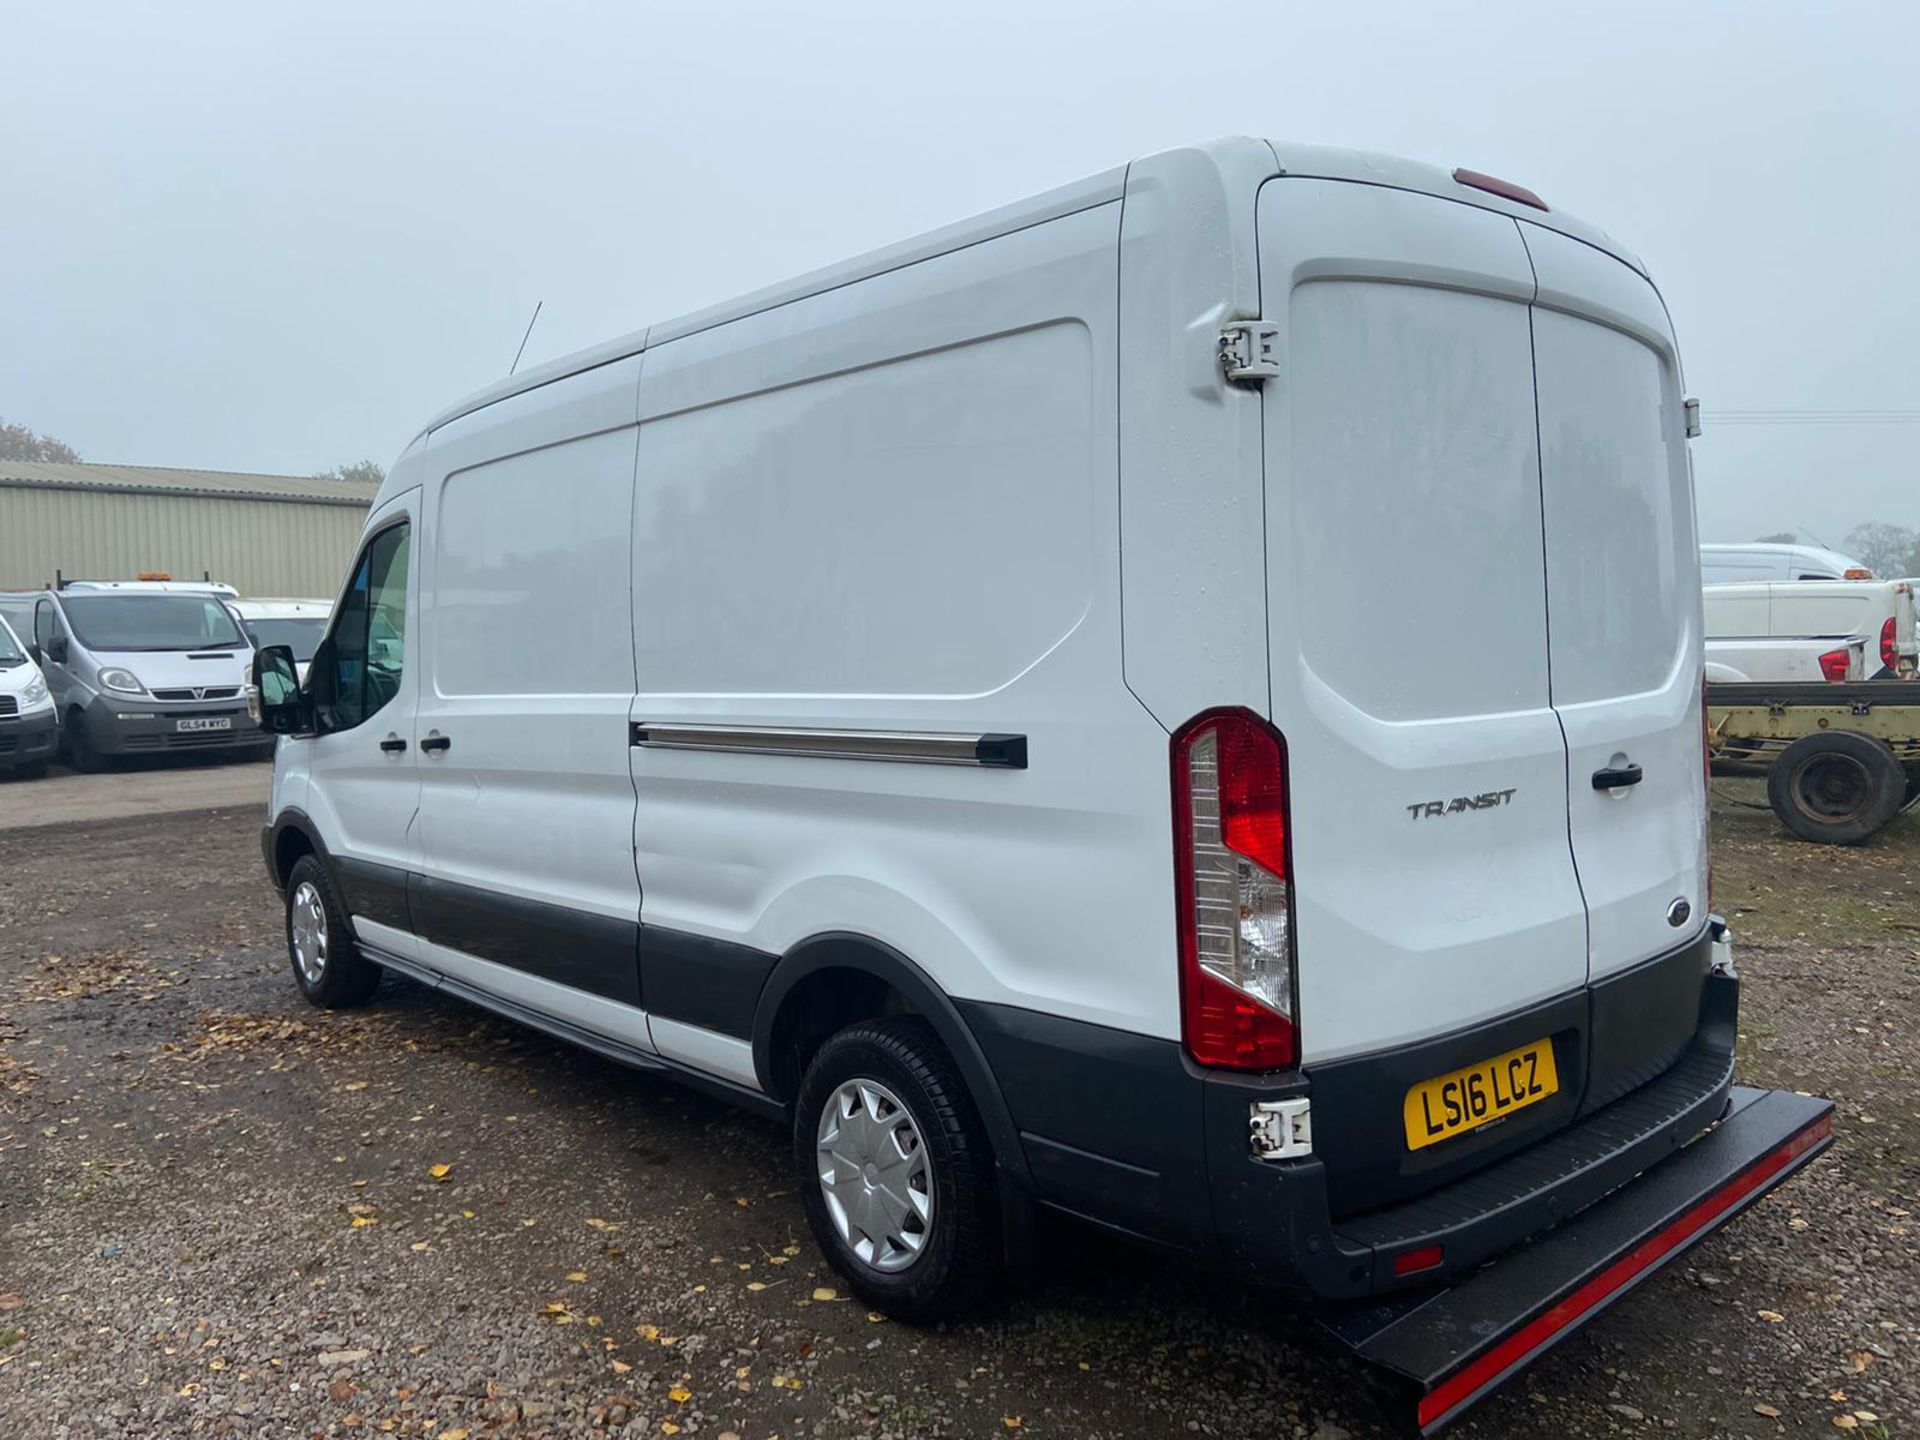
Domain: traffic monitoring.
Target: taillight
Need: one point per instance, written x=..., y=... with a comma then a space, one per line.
x=1833, y=665
x=1889, y=654
x=1235, y=903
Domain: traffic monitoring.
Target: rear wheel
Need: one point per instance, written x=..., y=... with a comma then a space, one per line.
x=897, y=1173
x=327, y=964
x=1836, y=787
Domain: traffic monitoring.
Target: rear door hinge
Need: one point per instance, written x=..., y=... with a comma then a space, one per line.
x=1693, y=417
x=1249, y=351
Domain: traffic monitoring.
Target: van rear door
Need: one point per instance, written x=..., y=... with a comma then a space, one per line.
x=1623, y=599
x=1408, y=619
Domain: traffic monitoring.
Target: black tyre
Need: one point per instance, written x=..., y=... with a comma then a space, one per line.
x=81, y=754
x=897, y=1173
x=1836, y=787
x=327, y=964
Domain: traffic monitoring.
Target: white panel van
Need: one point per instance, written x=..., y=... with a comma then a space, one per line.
x=1761, y=560
x=929, y=702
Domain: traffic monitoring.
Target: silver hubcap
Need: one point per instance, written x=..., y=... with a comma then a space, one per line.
x=875, y=1175
x=309, y=917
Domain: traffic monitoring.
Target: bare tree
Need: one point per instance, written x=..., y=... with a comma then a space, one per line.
x=1887, y=550
x=17, y=442
x=367, y=470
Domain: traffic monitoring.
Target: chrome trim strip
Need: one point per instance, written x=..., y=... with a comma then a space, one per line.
x=999, y=752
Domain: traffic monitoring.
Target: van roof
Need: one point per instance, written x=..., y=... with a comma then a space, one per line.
x=1281, y=158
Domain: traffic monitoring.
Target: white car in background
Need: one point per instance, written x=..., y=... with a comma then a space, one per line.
x=297, y=624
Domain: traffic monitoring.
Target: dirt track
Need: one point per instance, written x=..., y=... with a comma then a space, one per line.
x=218, y=1213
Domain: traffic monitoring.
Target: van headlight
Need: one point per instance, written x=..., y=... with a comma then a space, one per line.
x=124, y=681
x=35, y=695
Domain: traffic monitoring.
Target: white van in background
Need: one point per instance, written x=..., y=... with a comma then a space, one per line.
x=29, y=720
x=1726, y=564
x=920, y=702
x=1810, y=630
x=297, y=624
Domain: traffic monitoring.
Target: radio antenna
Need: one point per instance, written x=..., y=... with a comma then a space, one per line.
x=523, y=339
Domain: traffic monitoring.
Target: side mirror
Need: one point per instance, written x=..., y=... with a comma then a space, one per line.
x=57, y=649
x=276, y=687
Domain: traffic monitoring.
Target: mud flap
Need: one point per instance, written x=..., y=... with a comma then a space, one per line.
x=1442, y=1351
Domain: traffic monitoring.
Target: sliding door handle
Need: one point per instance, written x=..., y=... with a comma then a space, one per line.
x=393, y=744
x=435, y=742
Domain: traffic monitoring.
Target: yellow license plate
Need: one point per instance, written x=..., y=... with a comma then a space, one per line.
x=1450, y=1105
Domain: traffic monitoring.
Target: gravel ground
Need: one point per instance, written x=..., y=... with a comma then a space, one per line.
x=225, y=1213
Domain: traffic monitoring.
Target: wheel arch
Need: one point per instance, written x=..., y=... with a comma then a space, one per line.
x=292, y=835
x=860, y=959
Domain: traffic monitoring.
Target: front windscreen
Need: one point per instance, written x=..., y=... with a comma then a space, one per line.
x=10, y=651
x=151, y=622
x=301, y=635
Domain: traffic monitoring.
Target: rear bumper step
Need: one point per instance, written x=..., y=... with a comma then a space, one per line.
x=1444, y=1350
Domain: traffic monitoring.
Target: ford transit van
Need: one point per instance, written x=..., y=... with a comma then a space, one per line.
x=932, y=703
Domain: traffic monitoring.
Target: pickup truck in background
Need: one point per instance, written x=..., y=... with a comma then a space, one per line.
x=1810, y=630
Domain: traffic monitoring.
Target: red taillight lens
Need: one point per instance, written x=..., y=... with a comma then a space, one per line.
x=1889, y=654
x=1493, y=185
x=1833, y=665
x=1235, y=898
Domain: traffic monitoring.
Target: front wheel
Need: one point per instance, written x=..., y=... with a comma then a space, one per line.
x=81, y=752
x=327, y=964
x=897, y=1173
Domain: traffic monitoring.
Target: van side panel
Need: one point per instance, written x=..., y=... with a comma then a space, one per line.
x=526, y=817
x=891, y=508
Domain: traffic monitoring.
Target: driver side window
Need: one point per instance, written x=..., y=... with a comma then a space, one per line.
x=367, y=651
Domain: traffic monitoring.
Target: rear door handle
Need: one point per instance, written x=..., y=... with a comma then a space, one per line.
x=393, y=744
x=436, y=742
x=1614, y=777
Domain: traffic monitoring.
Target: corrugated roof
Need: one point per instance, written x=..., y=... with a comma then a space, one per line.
x=165, y=480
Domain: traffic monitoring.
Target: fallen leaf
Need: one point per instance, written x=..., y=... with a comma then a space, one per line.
x=1772, y=1317
x=360, y=1222
x=576, y=1276
x=1846, y=1422
x=679, y=1394
x=874, y=1317
x=440, y=1172
x=469, y=1214
x=649, y=1333
x=459, y=1432
x=1836, y=1395
x=667, y=1427
x=1012, y=1422
x=1865, y=1417
x=354, y=1085
x=1767, y=1410
x=420, y=1246
x=826, y=1292
x=1858, y=1361
x=620, y=1367
x=529, y=1223
x=597, y=1223
x=756, y=1285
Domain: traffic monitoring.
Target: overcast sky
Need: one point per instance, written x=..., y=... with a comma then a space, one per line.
x=243, y=237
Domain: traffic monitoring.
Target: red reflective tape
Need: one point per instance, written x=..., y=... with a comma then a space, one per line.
x=1648, y=1253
